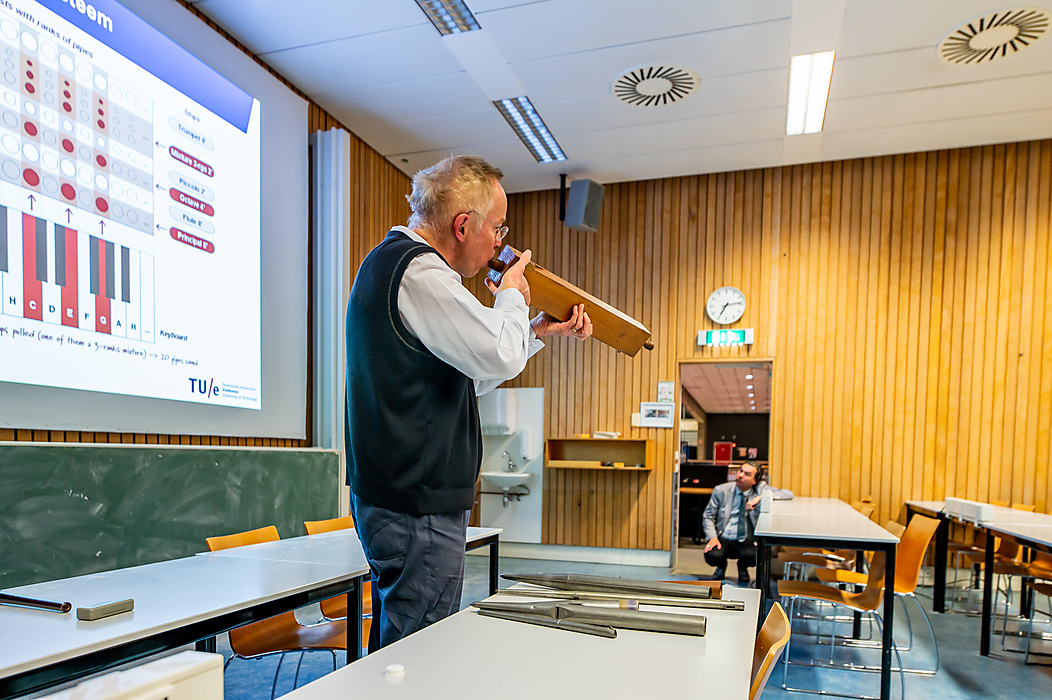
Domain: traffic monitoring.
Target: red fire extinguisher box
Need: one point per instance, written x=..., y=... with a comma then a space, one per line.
x=722, y=451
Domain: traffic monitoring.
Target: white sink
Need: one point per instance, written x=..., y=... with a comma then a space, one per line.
x=506, y=480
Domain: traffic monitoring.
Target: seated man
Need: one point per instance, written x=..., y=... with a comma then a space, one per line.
x=730, y=519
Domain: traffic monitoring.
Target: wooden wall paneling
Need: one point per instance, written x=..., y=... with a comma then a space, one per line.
x=909, y=311
x=818, y=277
x=881, y=486
x=1031, y=328
x=971, y=352
x=1022, y=300
x=794, y=364
x=895, y=341
x=935, y=225
x=957, y=224
x=990, y=481
x=1042, y=452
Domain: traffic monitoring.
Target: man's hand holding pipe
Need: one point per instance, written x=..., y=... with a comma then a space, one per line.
x=577, y=326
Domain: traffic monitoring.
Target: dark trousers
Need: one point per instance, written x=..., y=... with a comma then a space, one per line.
x=744, y=552
x=416, y=564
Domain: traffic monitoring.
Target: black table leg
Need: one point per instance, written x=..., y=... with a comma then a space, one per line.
x=354, y=620
x=763, y=576
x=889, y=611
x=942, y=537
x=208, y=644
x=494, y=566
x=988, y=584
x=856, y=623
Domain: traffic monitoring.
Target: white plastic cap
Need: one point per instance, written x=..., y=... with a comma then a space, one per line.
x=395, y=671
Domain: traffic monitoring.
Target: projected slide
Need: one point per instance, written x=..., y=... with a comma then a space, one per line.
x=129, y=210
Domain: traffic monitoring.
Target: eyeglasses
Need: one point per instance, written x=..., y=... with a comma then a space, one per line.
x=502, y=231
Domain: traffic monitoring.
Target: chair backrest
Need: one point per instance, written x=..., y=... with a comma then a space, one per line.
x=240, y=539
x=869, y=598
x=770, y=641
x=316, y=527
x=894, y=527
x=1023, y=507
x=864, y=507
x=334, y=608
x=245, y=640
x=912, y=545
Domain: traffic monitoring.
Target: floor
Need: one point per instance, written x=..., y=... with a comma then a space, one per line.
x=963, y=674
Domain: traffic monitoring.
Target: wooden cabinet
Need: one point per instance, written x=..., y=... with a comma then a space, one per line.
x=599, y=453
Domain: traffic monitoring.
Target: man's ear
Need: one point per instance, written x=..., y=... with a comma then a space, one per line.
x=460, y=227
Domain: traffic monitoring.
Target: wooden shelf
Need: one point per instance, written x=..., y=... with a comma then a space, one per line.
x=599, y=454
x=590, y=464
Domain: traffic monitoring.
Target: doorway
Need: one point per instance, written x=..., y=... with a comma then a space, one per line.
x=724, y=420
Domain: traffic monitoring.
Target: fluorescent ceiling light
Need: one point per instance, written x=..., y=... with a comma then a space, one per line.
x=809, y=76
x=449, y=16
x=524, y=119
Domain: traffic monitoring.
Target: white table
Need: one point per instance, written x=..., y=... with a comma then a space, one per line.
x=177, y=602
x=826, y=522
x=184, y=601
x=1033, y=530
x=468, y=656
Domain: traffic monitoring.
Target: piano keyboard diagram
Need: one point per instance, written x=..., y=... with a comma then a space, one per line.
x=53, y=273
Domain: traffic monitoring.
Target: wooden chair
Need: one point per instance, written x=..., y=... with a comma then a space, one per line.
x=336, y=608
x=282, y=633
x=866, y=601
x=913, y=543
x=770, y=641
x=1044, y=588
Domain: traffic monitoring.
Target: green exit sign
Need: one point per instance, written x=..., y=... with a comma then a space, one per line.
x=725, y=337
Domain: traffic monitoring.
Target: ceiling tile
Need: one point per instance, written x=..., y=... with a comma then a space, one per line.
x=397, y=56
x=271, y=25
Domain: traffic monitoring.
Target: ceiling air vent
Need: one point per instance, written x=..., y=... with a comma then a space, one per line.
x=655, y=86
x=999, y=34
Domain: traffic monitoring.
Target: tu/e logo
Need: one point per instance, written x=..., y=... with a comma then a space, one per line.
x=207, y=387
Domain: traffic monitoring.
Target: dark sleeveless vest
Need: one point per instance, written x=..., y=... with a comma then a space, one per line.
x=412, y=429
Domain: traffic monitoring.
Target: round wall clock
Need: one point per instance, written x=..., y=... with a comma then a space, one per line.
x=725, y=305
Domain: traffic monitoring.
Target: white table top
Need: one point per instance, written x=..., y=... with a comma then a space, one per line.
x=467, y=656
x=806, y=505
x=477, y=533
x=811, y=518
x=168, y=595
x=1010, y=516
x=1038, y=534
x=340, y=547
x=933, y=506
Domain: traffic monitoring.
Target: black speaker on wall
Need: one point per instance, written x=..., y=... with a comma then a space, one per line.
x=583, y=205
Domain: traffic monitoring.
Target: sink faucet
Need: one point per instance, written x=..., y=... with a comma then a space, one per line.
x=511, y=462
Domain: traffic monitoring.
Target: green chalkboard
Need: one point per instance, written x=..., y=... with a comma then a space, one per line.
x=67, y=510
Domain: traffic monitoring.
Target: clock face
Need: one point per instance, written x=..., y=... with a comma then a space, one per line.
x=725, y=305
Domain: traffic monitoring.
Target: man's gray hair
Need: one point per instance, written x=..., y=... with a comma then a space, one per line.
x=454, y=185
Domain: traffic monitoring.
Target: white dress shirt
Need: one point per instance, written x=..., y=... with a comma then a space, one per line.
x=490, y=345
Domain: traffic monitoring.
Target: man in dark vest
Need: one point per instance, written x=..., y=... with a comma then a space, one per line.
x=420, y=348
